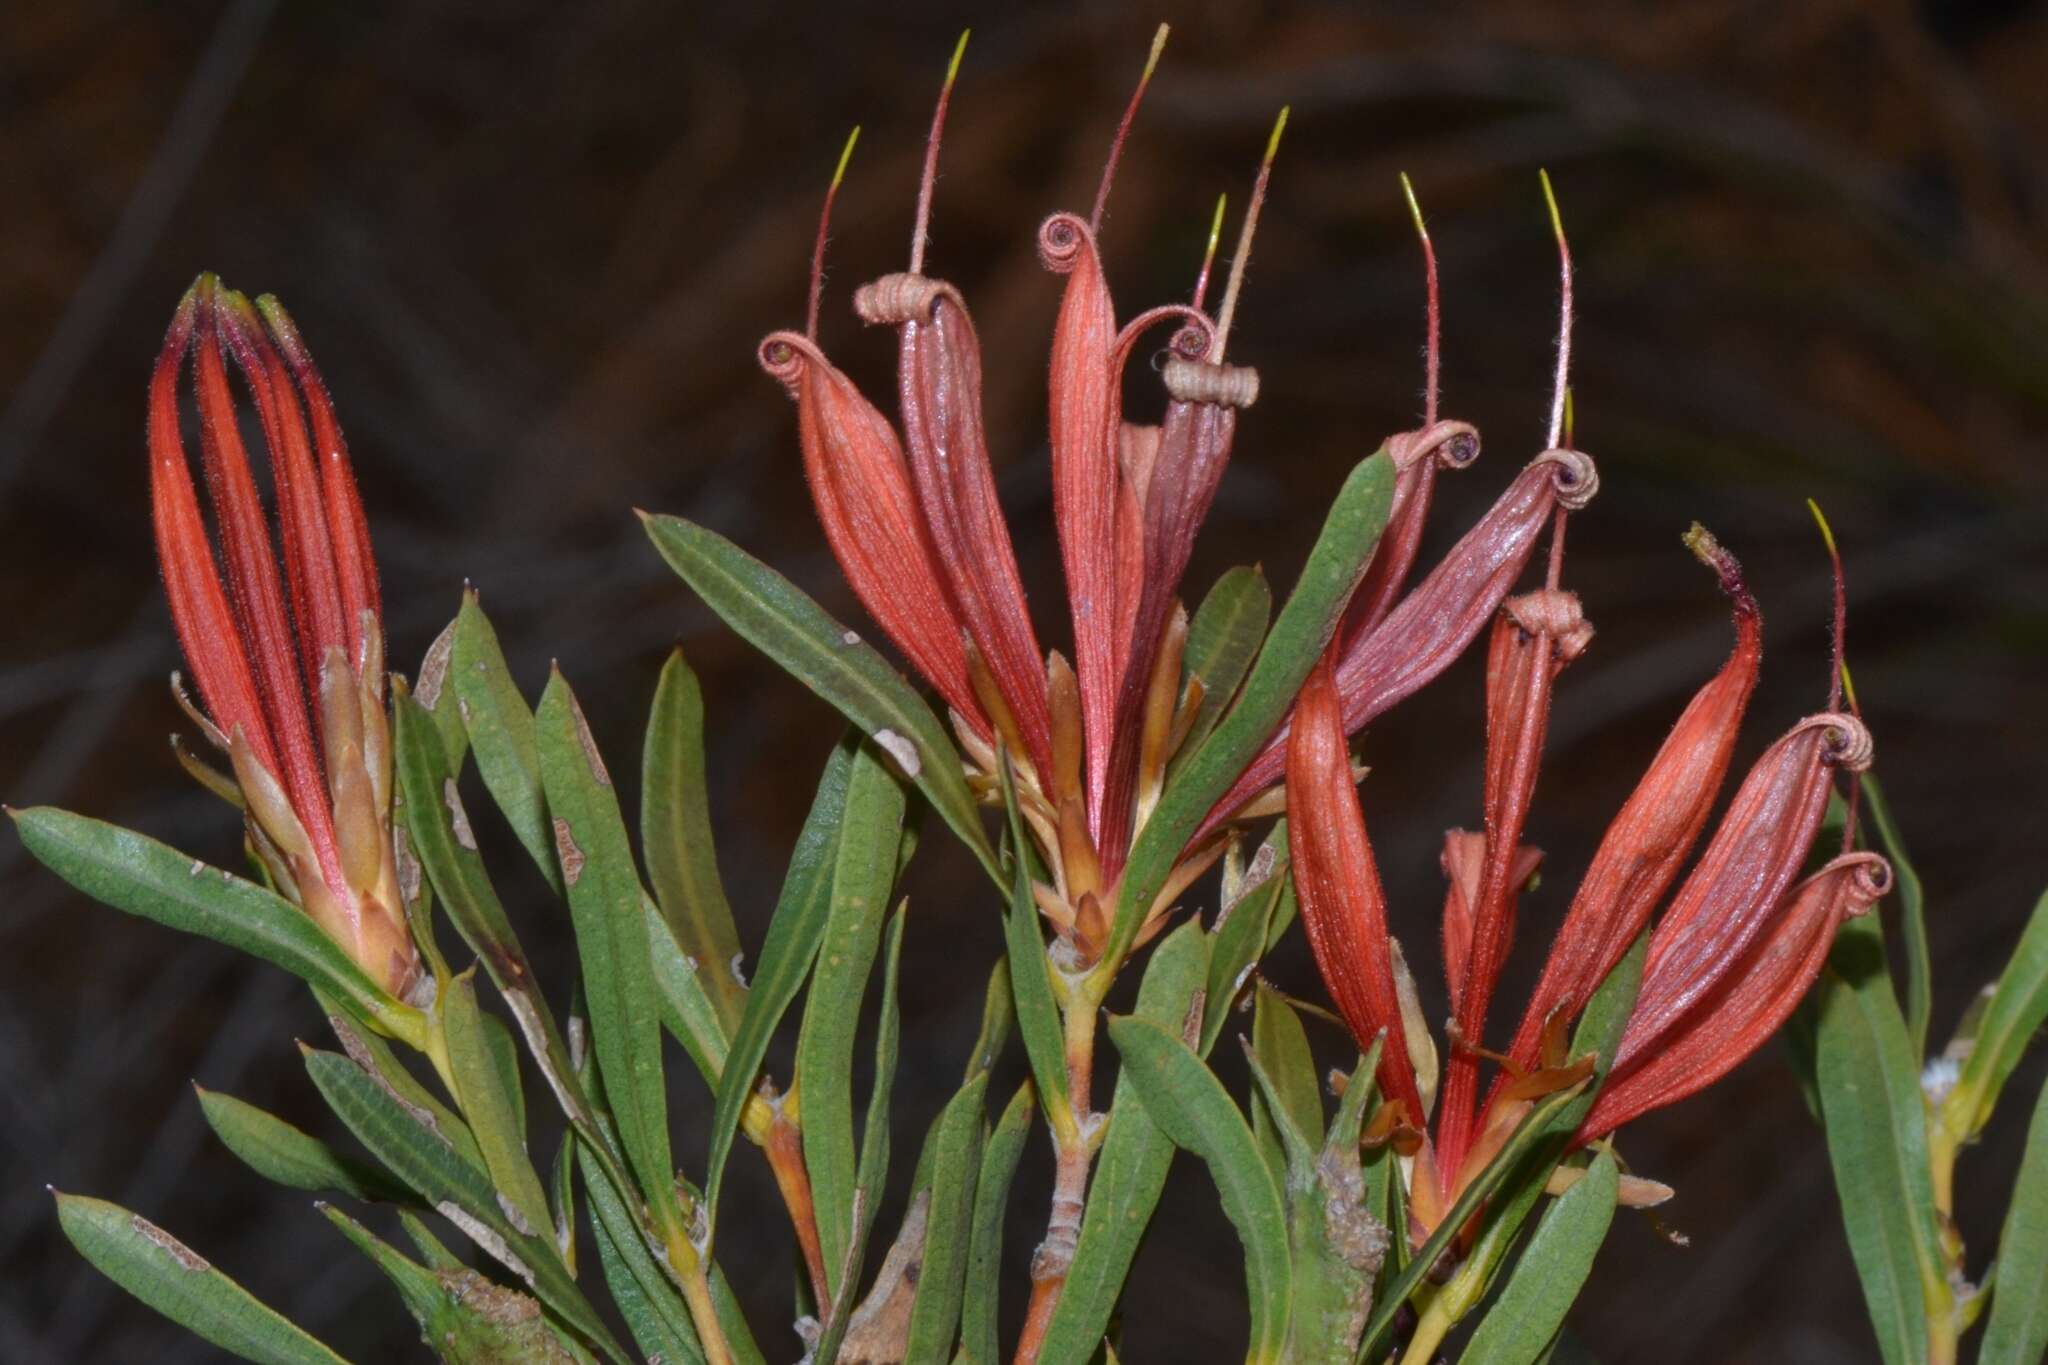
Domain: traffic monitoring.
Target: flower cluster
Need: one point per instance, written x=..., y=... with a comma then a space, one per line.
x=290, y=666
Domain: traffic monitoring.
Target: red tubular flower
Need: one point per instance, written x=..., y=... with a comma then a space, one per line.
x=294, y=695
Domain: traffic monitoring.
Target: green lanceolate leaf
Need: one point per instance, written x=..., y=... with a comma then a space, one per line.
x=949, y=1226
x=1303, y=627
x=1130, y=1170
x=687, y=1011
x=611, y=940
x=411, y=1146
x=1912, y=915
x=562, y=1199
x=437, y=699
x=1191, y=1106
x=1876, y=1125
x=135, y=873
x=776, y=617
x=824, y=1063
x=655, y=1313
x=999, y=1158
x=491, y=1106
x=375, y=1057
x=501, y=735
x=997, y=1007
x=2014, y=1014
x=466, y=1319
x=845, y=859
x=1553, y=1268
x=279, y=1152
x=1536, y=1126
x=1223, y=638
x=1038, y=1012
x=873, y=1174
x=675, y=831
x=1242, y=929
x=1281, y=1046
x=174, y=1280
x=2018, y=1331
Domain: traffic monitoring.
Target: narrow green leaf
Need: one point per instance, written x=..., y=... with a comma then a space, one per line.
x=949, y=1226
x=1876, y=1124
x=562, y=1199
x=1130, y=1170
x=873, y=1174
x=491, y=1107
x=1303, y=627
x=1223, y=638
x=1037, y=1009
x=845, y=858
x=375, y=1057
x=611, y=941
x=1281, y=1046
x=435, y=1252
x=1191, y=1106
x=430, y=688
x=501, y=734
x=2018, y=1331
x=411, y=1146
x=777, y=618
x=824, y=1064
x=278, y=1151
x=999, y=1158
x=1536, y=1126
x=686, y=1008
x=997, y=1007
x=655, y=1313
x=1553, y=1268
x=2014, y=1014
x=174, y=1280
x=675, y=830
x=135, y=873
x=1242, y=929
x=1912, y=915
x=468, y=1319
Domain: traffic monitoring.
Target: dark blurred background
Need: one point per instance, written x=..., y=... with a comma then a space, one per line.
x=533, y=247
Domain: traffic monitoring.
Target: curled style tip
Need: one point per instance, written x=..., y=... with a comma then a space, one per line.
x=783, y=355
x=896, y=299
x=1576, y=478
x=1062, y=240
x=1453, y=445
x=1848, y=743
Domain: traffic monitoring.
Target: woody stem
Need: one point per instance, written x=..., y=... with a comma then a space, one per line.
x=1076, y=1153
x=783, y=1146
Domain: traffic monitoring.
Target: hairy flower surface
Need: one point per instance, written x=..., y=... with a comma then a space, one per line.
x=289, y=664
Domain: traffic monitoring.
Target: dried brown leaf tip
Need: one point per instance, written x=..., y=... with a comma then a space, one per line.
x=911, y=513
x=1741, y=938
x=288, y=658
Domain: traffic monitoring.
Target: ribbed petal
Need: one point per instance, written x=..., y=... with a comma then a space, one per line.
x=939, y=384
x=1082, y=410
x=1748, y=866
x=1417, y=456
x=1464, y=866
x=1343, y=905
x=1758, y=993
x=860, y=486
x=348, y=531
x=1443, y=615
x=1648, y=842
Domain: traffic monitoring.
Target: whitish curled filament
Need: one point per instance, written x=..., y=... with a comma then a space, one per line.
x=1199, y=381
x=1847, y=744
x=896, y=299
x=784, y=354
x=1453, y=445
x=1061, y=240
x=1576, y=480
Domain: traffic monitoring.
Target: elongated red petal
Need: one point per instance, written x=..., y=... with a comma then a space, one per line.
x=1464, y=866
x=1650, y=839
x=1753, y=998
x=1533, y=638
x=1083, y=417
x=861, y=488
x=1748, y=866
x=1343, y=905
x=207, y=631
x=255, y=587
x=1443, y=615
x=1417, y=457
x=939, y=384
x=317, y=608
x=348, y=529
